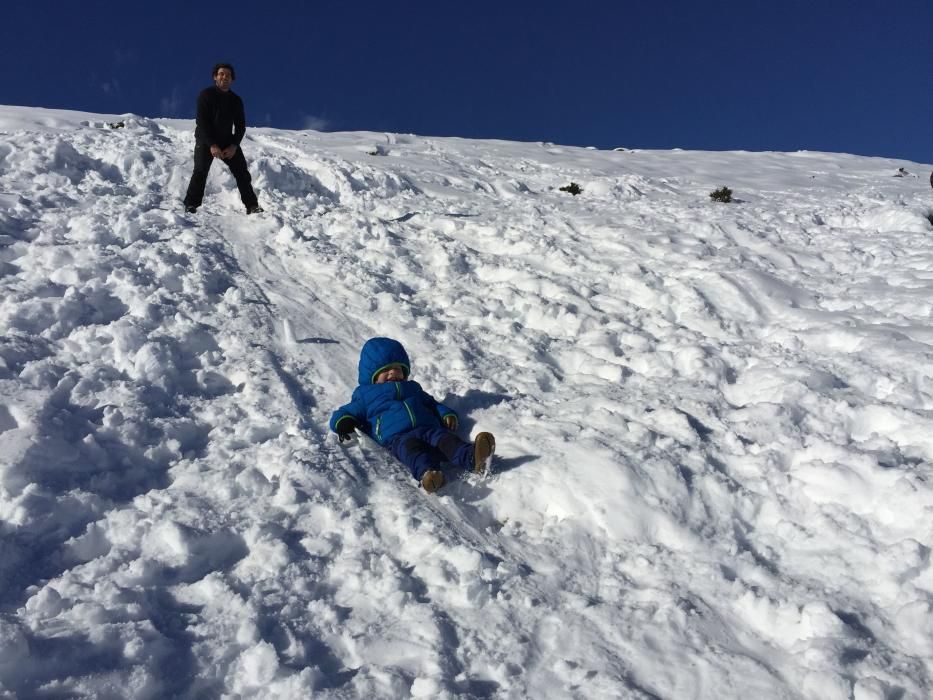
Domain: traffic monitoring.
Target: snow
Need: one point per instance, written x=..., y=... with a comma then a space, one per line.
x=714, y=421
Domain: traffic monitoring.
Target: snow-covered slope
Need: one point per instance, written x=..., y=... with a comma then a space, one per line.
x=714, y=421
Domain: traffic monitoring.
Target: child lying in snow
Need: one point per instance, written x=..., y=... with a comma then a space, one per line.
x=398, y=414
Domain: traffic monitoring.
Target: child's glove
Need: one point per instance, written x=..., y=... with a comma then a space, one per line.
x=345, y=428
x=450, y=422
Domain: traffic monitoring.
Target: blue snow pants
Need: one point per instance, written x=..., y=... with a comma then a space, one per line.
x=421, y=449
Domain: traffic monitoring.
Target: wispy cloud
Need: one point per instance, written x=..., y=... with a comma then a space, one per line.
x=124, y=57
x=170, y=106
x=121, y=59
x=315, y=123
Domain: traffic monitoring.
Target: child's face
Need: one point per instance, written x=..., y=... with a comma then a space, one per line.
x=393, y=373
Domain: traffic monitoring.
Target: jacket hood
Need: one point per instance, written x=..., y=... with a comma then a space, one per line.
x=379, y=353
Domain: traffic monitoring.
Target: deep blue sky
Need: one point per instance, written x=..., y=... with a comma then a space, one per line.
x=832, y=75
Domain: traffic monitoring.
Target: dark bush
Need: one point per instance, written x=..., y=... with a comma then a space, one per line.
x=573, y=188
x=723, y=194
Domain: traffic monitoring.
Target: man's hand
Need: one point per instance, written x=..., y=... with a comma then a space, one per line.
x=228, y=152
x=216, y=151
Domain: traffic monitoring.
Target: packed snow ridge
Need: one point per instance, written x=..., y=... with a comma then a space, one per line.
x=714, y=421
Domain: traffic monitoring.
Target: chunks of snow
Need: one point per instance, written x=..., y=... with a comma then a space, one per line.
x=713, y=423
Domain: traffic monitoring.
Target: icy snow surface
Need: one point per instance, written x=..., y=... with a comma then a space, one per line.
x=714, y=421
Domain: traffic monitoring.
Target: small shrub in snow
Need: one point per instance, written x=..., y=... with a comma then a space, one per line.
x=723, y=194
x=573, y=188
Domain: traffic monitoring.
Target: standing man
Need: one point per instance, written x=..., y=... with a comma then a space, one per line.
x=221, y=124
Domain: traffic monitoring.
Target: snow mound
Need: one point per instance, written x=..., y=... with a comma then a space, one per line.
x=713, y=421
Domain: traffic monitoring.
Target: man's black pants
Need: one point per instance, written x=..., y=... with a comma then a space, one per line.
x=202, y=166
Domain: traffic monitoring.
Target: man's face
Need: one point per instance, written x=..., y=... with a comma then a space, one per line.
x=222, y=78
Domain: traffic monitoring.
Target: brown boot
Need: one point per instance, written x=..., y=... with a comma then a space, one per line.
x=432, y=480
x=484, y=447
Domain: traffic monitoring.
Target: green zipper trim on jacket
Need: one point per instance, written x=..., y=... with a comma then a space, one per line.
x=379, y=429
x=411, y=415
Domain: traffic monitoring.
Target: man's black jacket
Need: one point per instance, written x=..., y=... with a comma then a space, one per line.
x=221, y=120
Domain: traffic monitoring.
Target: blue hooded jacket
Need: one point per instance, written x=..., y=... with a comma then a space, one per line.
x=386, y=410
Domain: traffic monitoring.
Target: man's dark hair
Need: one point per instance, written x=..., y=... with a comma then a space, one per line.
x=229, y=67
